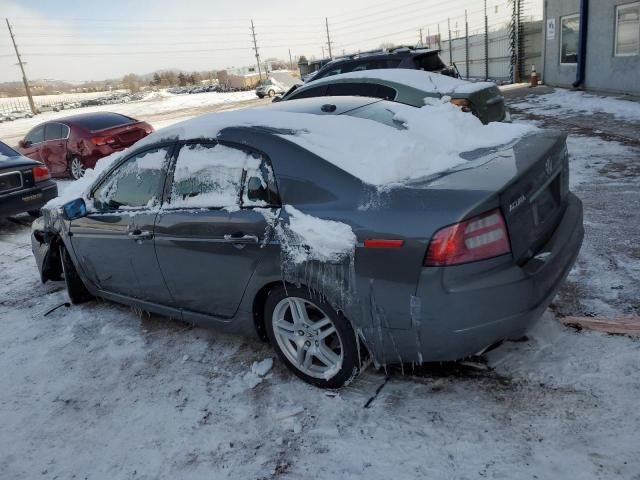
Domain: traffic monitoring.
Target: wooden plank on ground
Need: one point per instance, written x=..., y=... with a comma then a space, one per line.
x=621, y=325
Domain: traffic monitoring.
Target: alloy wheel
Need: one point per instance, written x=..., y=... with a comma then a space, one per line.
x=77, y=169
x=307, y=337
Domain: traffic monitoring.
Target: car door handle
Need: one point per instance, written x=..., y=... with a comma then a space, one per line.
x=240, y=238
x=140, y=235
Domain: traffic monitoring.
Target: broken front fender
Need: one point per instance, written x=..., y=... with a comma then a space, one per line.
x=46, y=250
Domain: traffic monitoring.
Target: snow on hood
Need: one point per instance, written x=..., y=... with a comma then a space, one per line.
x=419, y=79
x=431, y=141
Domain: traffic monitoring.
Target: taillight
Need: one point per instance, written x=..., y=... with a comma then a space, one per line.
x=478, y=238
x=465, y=105
x=100, y=141
x=40, y=173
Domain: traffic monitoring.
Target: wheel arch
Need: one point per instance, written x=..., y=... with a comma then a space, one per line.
x=259, y=303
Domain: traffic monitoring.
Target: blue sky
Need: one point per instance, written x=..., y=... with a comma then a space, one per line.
x=78, y=40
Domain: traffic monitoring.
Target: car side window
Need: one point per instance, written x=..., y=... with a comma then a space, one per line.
x=209, y=175
x=36, y=135
x=260, y=189
x=137, y=183
x=55, y=131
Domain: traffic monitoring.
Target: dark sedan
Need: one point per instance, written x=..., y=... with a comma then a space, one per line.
x=271, y=222
x=69, y=145
x=25, y=185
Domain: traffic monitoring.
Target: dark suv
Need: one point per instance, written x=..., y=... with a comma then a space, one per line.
x=399, y=57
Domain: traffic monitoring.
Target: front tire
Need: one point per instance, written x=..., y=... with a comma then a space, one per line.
x=76, y=290
x=311, y=338
x=76, y=168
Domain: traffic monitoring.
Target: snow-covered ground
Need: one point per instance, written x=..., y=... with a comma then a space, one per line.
x=567, y=102
x=159, y=109
x=100, y=392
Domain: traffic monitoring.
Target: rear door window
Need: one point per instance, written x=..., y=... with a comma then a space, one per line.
x=137, y=183
x=209, y=175
x=55, y=131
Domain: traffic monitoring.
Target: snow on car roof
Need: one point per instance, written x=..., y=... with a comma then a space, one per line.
x=431, y=141
x=377, y=154
x=418, y=79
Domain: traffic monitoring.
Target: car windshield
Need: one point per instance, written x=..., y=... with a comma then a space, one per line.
x=6, y=151
x=264, y=83
x=104, y=120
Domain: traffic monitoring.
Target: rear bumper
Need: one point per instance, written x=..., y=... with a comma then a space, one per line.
x=461, y=310
x=28, y=199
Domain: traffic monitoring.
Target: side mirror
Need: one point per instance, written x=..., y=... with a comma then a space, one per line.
x=277, y=99
x=74, y=209
x=255, y=189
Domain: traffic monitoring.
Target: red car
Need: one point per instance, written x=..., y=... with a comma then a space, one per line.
x=70, y=145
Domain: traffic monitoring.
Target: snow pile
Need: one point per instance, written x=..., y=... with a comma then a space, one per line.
x=426, y=81
x=3, y=158
x=310, y=238
x=258, y=372
x=566, y=102
x=378, y=154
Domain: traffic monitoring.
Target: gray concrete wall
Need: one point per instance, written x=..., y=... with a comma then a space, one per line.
x=604, y=71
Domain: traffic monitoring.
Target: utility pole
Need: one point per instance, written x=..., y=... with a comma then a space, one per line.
x=24, y=75
x=255, y=49
x=486, y=42
x=290, y=61
x=326, y=21
x=450, y=44
x=421, y=42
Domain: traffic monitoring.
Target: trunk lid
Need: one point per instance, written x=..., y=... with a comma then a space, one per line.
x=529, y=181
x=124, y=135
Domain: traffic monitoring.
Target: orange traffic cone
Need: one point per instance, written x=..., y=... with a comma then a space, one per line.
x=534, y=77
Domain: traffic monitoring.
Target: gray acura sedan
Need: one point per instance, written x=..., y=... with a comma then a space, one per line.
x=292, y=224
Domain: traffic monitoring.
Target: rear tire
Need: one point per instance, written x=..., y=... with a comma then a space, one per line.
x=311, y=338
x=76, y=168
x=76, y=290
x=271, y=93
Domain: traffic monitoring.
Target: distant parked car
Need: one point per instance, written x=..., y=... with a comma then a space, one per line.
x=411, y=87
x=399, y=57
x=16, y=114
x=70, y=145
x=269, y=88
x=25, y=185
x=5, y=117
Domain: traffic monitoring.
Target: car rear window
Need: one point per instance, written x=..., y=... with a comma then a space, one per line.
x=6, y=151
x=381, y=112
x=361, y=90
x=104, y=120
x=429, y=62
